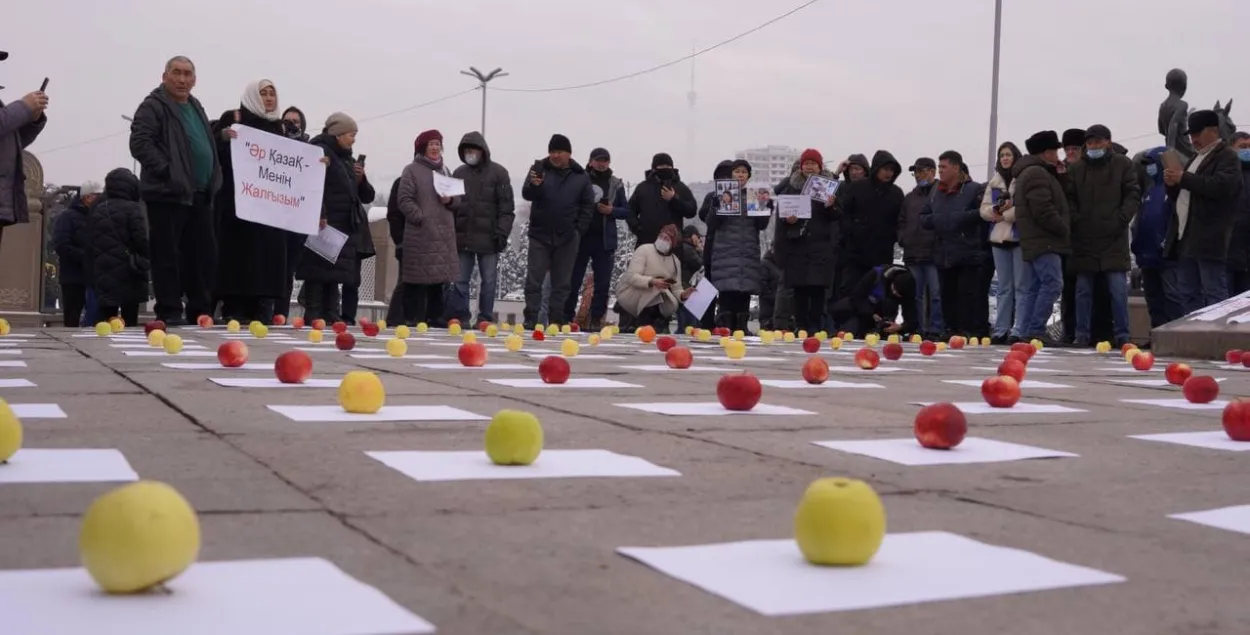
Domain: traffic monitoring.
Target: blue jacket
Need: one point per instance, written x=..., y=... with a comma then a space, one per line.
x=1150, y=231
x=561, y=207
x=70, y=239
x=955, y=218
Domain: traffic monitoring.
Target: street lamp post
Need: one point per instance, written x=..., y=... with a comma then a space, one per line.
x=134, y=163
x=998, y=38
x=483, y=80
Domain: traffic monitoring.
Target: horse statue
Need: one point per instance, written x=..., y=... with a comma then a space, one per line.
x=1227, y=127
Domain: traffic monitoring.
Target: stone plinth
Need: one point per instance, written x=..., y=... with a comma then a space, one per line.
x=21, y=256
x=1206, y=334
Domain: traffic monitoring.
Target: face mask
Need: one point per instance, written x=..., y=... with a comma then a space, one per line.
x=664, y=174
x=1152, y=169
x=663, y=246
x=925, y=183
x=1244, y=154
x=472, y=158
x=1096, y=153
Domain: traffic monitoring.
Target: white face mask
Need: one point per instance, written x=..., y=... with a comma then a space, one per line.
x=472, y=158
x=663, y=246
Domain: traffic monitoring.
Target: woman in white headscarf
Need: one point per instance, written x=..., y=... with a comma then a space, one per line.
x=252, y=264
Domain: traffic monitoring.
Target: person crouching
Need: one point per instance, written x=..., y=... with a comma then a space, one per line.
x=650, y=290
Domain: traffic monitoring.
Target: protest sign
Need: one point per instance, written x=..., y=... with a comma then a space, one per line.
x=277, y=181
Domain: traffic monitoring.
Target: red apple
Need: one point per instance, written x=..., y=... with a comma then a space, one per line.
x=867, y=359
x=204, y=321
x=678, y=357
x=1025, y=347
x=472, y=354
x=1019, y=356
x=1177, y=372
x=1143, y=361
x=232, y=353
x=1236, y=420
x=1013, y=369
x=815, y=370
x=1127, y=347
x=928, y=348
x=940, y=426
x=297, y=323
x=811, y=345
x=1201, y=389
x=538, y=335
x=892, y=351
x=481, y=326
x=721, y=331
x=154, y=325
x=1234, y=356
x=293, y=367
x=452, y=321
x=574, y=328
x=369, y=329
x=340, y=327
x=1245, y=361
x=345, y=341
x=279, y=320
x=739, y=392
x=1001, y=391
x=957, y=342
x=665, y=342
x=554, y=369
x=319, y=324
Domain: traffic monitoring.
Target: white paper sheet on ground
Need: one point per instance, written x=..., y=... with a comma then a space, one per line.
x=12, y=364
x=464, y=466
x=24, y=336
x=973, y=450
x=660, y=368
x=573, y=383
x=1026, y=384
x=879, y=369
x=1031, y=369
x=799, y=383
x=710, y=408
x=16, y=383
x=748, y=358
x=10, y=351
x=1162, y=383
x=1179, y=404
x=319, y=349
x=1235, y=518
x=37, y=411
x=137, y=346
x=161, y=353
x=37, y=465
x=1231, y=367
x=292, y=596
x=771, y=577
x=488, y=367
x=247, y=366
x=8, y=344
x=1212, y=440
x=1021, y=408
x=327, y=414
x=578, y=356
x=272, y=382
x=385, y=356
x=1128, y=368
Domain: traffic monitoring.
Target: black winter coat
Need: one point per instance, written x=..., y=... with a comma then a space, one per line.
x=916, y=240
x=649, y=212
x=118, y=250
x=341, y=209
x=158, y=141
x=1103, y=200
x=251, y=258
x=1239, y=245
x=1215, y=192
x=70, y=239
x=484, y=218
x=562, y=205
x=806, y=251
x=955, y=218
x=872, y=296
x=869, y=215
x=1042, y=217
x=732, y=253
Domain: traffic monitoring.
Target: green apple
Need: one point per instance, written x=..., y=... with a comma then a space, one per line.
x=840, y=521
x=514, y=437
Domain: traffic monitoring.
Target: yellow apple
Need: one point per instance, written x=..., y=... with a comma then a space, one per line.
x=872, y=339
x=232, y=326
x=469, y=337
x=402, y=331
x=787, y=337
x=894, y=338
x=422, y=327
x=916, y=339
x=1103, y=347
x=453, y=329
x=705, y=335
x=767, y=337
x=1037, y=344
x=569, y=348
x=821, y=336
x=735, y=349
x=381, y=324
x=172, y=344
x=593, y=340
x=396, y=347
x=802, y=335
x=361, y=392
x=514, y=437
x=839, y=522
x=513, y=342
x=138, y=536
x=315, y=336
x=156, y=338
x=492, y=331
x=10, y=432
x=566, y=329
x=835, y=343
x=739, y=335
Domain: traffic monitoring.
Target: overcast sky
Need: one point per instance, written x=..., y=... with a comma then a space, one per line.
x=912, y=76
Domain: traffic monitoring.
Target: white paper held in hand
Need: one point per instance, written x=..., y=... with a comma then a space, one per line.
x=277, y=181
x=327, y=243
x=448, y=186
x=701, y=299
x=794, y=206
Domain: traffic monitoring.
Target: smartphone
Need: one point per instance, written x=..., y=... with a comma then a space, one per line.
x=537, y=168
x=44, y=86
x=604, y=201
x=361, y=160
x=670, y=280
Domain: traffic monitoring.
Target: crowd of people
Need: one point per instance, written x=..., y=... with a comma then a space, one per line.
x=1063, y=221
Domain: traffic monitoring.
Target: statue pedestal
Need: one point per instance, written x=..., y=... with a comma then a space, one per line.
x=1206, y=334
x=21, y=272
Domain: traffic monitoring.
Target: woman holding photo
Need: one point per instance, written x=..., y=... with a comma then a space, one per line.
x=733, y=243
x=805, y=248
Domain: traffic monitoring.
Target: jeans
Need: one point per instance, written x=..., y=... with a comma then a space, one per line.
x=926, y=277
x=552, y=256
x=1045, y=277
x=488, y=268
x=1009, y=263
x=91, y=311
x=184, y=257
x=1117, y=287
x=591, y=251
x=1198, y=283
x=960, y=287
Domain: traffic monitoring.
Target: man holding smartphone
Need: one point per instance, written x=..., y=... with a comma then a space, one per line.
x=598, y=245
x=20, y=124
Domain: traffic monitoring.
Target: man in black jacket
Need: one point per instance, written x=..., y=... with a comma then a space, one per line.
x=71, y=238
x=598, y=245
x=870, y=209
x=1205, y=194
x=661, y=199
x=562, y=204
x=873, y=305
x=179, y=174
x=483, y=224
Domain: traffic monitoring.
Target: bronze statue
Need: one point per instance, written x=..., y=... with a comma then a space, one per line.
x=1173, y=114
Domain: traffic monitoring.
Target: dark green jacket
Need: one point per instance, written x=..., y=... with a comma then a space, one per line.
x=1104, y=198
x=1041, y=209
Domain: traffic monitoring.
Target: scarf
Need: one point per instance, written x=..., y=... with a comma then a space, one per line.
x=252, y=102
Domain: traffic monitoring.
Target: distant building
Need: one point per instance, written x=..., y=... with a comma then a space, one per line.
x=770, y=164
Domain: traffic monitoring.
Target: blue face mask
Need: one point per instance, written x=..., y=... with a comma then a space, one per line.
x=1152, y=169
x=1095, y=153
x=925, y=183
x=1244, y=154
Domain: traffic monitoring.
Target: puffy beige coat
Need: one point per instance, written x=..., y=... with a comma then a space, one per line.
x=1001, y=232
x=634, y=291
